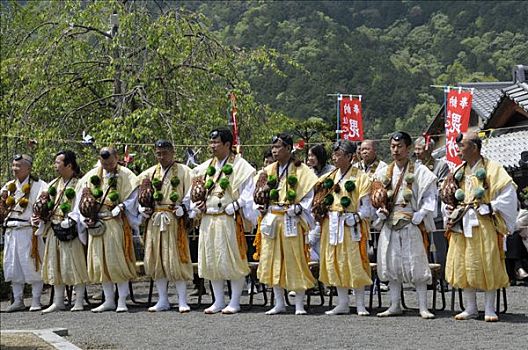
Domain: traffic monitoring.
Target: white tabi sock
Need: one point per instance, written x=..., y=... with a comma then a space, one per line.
x=181, y=287
x=236, y=291
x=489, y=311
x=360, y=302
x=58, y=299
x=343, y=300
x=280, y=305
x=18, y=291
x=79, y=297
x=218, y=291
x=470, y=300
x=421, y=291
x=299, y=302
x=36, y=291
x=109, y=295
x=395, y=296
x=18, y=294
x=163, y=298
x=122, y=289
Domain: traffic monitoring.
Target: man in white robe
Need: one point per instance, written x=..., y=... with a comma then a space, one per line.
x=402, y=256
x=23, y=250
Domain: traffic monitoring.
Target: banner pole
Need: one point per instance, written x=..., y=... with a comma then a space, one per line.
x=338, y=129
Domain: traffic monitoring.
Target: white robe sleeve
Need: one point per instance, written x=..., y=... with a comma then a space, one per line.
x=506, y=204
x=132, y=212
x=365, y=210
x=245, y=201
x=306, y=204
x=429, y=200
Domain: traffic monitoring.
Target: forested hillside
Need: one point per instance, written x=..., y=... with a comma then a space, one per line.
x=389, y=51
x=131, y=71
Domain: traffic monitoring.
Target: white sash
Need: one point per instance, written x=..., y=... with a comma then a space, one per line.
x=162, y=220
x=336, y=228
x=469, y=221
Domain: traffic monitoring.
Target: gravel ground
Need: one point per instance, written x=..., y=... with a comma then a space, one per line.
x=252, y=329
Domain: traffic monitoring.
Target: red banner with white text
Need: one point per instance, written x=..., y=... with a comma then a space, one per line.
x=458, y=110
x=351, y=118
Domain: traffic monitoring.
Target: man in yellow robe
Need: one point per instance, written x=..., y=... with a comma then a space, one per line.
x=226, y=213
x=487, y=204
x=64, y=262
x=167, y=255
x=345, y=230
x=284, y=226
x=111, y=259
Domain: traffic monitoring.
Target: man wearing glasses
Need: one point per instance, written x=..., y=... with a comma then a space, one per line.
x=23, y=250
x=111, y=258
x=226, y=210
x=286, y=220
x=406, y=220
x=486, y=209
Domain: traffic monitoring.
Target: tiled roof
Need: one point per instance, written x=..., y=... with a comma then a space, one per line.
x=519, y=94
x=506, y=148
x=486, y=97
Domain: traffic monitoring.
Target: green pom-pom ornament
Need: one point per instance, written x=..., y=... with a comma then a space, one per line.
x=97, y=192
x=479, y=192
x=385, y=180
x=292, y=180
x=409, y=178
x=460, y=195
x=227, y=169
x=407, y=195
x=175, y=181
x=95, y=180
x=211, y=170
x=272, y=181
x=174, y=196
x=156, y=183
x=480, y=173
x=345, y=202
x=113, y=196
x=350, y=185
x=328, y=200
x=328, y=183
x=459, y=175
x=65, y=208
x=50, y=205
x=274, y=194
x=69, y=193
x=291, y=195
x=208, y=184
x=52, y=191
x=158, y=196
x=224, y=183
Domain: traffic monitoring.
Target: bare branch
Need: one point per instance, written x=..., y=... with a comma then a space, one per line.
x=96, y=101
x=88, y=28
x=35, y=29
x=35, y=100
